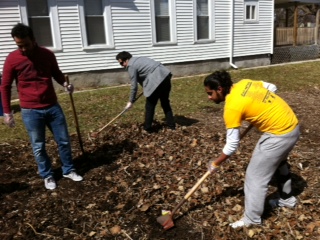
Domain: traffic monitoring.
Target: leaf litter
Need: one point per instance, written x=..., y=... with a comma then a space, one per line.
x=131, y=176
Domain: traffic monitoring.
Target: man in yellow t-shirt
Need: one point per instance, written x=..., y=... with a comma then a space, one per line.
x=256, y=103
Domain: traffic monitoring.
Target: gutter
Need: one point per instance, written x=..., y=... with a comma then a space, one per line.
x=232, y=36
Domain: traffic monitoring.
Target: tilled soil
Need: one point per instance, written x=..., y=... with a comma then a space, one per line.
x=130, y=176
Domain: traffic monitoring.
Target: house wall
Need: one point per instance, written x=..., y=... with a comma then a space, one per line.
x=132, y=32
x=253, y=38
x=9, y=15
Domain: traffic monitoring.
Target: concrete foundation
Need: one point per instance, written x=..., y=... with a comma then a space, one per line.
x=120, y=76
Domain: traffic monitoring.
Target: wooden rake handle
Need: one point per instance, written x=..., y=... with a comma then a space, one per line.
x=123, y=111
x=101, y=129
x=75, y=116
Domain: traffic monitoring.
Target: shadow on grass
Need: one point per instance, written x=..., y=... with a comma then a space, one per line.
x=103, y=154
x=184, y=121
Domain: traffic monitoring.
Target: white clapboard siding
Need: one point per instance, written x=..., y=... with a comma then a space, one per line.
x=253, y=38
x=9, y=16
x=131, y=28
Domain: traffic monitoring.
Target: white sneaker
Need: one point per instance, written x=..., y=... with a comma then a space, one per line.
x=73, y=176
x=50, y=183
x=279, y=202
x=239, y=223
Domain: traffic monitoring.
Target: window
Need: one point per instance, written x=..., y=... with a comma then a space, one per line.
x=251, y=10
x=204, y=20
x=42, y=17
x=163, y=21
x=95, y=20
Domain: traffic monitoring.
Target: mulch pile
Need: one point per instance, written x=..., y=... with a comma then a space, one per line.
x=130, y=176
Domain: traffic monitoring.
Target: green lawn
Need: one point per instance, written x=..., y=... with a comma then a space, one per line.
x=95, y=108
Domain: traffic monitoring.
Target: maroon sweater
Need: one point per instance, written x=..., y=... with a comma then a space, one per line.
x=33, y=77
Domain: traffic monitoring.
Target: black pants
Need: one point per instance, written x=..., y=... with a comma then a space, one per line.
x=162, y=92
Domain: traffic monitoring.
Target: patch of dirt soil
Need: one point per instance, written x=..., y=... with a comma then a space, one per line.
x=130, y=176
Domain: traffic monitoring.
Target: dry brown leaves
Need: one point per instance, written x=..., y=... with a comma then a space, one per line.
x=131, y=176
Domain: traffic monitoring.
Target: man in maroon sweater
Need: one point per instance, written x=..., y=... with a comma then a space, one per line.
x=33, y=68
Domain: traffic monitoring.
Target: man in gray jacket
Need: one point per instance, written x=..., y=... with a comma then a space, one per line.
x=156, y=82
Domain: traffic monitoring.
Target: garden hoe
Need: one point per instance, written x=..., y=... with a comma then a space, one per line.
x=75, y=117
x=166, y=220
x=95, y=134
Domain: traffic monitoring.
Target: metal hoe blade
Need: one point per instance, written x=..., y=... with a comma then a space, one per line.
x=166, y=221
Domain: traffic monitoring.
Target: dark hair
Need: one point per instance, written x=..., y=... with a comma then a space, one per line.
x=22, y=31
x=123, y=56
x=219, y=79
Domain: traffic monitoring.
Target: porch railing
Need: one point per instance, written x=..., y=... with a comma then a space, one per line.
x=305, y=36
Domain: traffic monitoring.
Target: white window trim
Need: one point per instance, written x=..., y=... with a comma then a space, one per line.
x=108, y=25
x=173, y=23
x=251, y=3
x=211, y=23
x=54, y=22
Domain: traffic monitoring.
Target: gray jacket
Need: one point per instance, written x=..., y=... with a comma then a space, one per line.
x=148, y=73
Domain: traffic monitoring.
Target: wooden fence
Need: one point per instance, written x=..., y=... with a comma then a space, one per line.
x=305, y=36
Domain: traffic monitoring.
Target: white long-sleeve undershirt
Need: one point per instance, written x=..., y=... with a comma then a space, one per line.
x=233, y=134
x=271, y=87
x=232, y=142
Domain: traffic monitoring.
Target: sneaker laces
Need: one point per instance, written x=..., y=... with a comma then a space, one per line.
x=289, y=202
x=50, y=180
x=279, y=202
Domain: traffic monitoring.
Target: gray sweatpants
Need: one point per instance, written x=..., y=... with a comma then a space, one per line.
x=267, y=156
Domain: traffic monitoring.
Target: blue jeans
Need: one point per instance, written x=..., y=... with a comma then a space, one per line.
x=35, y=121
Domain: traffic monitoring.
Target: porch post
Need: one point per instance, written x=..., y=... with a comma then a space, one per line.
x=316, y=30
x=295, y=24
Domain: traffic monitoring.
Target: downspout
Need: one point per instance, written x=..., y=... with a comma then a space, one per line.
x=273, y=31
x=316, y=32
x=232, y=36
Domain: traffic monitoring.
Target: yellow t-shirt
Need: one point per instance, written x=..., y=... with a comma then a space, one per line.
x=248, y=100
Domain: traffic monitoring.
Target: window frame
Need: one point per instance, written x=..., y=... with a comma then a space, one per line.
x=211, y=27
x=107, y=24
x=54, y=22
x=172, y=23
x=251, y=3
